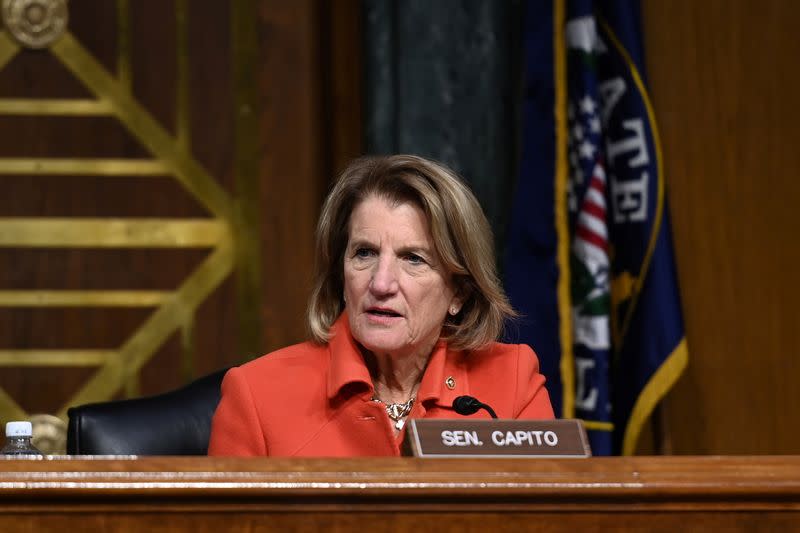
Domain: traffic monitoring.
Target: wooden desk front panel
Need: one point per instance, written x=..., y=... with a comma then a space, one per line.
x=207, y=494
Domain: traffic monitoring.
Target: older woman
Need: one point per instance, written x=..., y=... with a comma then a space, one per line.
x=404, y=314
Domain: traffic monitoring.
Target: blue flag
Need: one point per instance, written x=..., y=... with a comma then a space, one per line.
x=589, y=261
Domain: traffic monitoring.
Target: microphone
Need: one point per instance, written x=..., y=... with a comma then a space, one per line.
x=467, y=405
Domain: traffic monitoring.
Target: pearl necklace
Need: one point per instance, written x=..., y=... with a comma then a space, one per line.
x=397, y=411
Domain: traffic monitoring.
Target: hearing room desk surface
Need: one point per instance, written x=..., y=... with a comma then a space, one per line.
x=203, y=494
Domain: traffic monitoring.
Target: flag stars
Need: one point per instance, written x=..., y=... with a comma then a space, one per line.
x=588, y=105
x=587, y=150
x=594, y=124
x=577, y=132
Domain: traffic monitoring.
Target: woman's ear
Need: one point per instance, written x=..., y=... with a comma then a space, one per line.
x=460, y=296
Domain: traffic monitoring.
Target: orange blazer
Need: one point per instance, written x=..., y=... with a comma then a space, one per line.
x=315, y=400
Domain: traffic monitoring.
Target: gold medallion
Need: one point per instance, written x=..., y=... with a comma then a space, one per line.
x=35, y=23
x=49, y=434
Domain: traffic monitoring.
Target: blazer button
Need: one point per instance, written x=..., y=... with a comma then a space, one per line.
x=450, y=382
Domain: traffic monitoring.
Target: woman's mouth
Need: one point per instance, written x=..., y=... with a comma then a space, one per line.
x=383, y=312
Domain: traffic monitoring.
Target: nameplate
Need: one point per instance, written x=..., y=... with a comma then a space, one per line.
x=495, y=438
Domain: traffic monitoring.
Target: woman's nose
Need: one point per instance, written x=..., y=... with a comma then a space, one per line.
x=384, y=277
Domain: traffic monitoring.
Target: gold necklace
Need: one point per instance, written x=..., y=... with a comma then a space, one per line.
x=397, y=411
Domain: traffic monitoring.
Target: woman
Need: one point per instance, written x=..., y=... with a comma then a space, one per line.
x=404, y=313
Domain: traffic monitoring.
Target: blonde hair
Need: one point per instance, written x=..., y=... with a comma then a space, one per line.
x=461, y=236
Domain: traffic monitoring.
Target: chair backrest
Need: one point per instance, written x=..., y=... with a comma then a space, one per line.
x=173, y=423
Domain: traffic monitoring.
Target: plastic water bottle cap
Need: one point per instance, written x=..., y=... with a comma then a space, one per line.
x=19, y=429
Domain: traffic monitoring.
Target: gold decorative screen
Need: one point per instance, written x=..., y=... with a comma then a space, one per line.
x=43, y=24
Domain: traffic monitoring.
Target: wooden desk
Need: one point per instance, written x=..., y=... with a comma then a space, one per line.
x=375, y=495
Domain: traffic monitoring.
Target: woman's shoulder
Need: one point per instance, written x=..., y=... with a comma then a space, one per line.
x=501, y=356
x=507, y=377
x=303, y=358
x=501, y=350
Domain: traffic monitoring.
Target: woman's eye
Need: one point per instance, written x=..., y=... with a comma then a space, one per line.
x=364, y=253
x=415, y=259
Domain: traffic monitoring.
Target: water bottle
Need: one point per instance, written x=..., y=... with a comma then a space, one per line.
x=18, y=439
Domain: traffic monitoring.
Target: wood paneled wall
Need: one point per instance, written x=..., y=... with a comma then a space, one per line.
x=38, y=74
x=309, y=80
x=306, y=76
x=724, y=80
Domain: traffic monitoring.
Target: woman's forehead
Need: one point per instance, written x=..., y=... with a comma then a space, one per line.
x=379, y=216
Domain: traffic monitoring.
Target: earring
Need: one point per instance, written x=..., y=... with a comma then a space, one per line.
x=454, y=310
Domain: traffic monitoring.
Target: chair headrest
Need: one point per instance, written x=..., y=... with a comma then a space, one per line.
x=174, y=423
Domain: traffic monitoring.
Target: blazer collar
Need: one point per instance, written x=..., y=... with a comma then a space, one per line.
x=346, y=363
x=445, y=376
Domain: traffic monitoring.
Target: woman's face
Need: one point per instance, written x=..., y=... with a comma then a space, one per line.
x=396, y=291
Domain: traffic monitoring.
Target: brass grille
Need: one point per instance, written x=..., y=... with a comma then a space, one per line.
x=170, y=156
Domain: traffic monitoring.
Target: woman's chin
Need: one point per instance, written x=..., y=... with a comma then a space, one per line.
x=382, y=341
x=388, y=346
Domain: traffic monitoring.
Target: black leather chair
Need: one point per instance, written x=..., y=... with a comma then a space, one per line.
x=173, y=423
